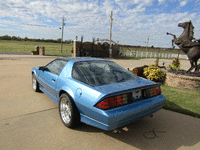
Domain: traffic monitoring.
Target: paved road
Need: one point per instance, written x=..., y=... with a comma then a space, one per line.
x=30, y=120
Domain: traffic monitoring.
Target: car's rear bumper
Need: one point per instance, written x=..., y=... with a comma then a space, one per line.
x=121, y=116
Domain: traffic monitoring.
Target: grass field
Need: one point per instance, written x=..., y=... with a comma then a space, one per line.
x=182, y=100
x=27, y=46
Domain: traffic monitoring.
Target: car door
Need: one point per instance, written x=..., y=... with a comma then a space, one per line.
x=50, y=75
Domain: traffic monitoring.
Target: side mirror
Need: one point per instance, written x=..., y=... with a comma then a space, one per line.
x=42, y=68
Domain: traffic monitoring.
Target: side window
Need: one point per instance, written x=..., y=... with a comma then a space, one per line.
x=56, y=66
x=77, y=73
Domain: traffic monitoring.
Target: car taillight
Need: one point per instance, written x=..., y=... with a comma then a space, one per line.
x=114, y=101
x=152, y=92
x=119, y=100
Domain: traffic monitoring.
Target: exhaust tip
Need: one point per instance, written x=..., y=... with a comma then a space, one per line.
x=116, y=131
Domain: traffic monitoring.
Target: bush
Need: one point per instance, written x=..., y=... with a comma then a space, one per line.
x=154, y=73
x=175, y=64
x=35, y=52
x=59, y=40
x=138, y=71
x=25, y=39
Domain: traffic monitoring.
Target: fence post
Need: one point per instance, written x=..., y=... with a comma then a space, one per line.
x=74, y=48
x=141, y=54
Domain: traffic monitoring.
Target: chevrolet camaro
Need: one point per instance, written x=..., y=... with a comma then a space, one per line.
x=97, y=92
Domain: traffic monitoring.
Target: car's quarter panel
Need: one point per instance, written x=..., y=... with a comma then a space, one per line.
x=84, y=96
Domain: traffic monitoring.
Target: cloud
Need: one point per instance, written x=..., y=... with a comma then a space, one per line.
x=161, y=1
x=131, y=23
x=183, y=3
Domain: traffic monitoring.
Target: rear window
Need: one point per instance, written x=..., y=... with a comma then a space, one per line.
x=97, y=73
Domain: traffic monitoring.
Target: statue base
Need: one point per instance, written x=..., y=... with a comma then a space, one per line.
x=181, y=79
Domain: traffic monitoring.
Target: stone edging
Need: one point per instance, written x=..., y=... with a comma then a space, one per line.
x=182, y=81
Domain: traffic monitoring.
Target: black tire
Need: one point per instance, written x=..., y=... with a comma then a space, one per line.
x=35, y=84
x=68, y=111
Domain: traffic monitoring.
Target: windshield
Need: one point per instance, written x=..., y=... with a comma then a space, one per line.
x=97, y=73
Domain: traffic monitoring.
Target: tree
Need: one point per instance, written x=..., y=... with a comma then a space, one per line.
x=14, y=38
x=6, y=37
x=25, y=39
x=59, y=40
x=18, y=38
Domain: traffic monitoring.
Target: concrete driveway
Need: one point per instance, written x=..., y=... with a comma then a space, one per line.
x=30, y=120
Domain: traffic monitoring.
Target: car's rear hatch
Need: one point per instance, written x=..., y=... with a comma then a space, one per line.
x=122, y=87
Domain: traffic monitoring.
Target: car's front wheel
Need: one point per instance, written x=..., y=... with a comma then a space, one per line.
x=35, y=84
x=69, y=113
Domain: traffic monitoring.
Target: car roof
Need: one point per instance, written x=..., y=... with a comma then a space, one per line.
x=77, y=59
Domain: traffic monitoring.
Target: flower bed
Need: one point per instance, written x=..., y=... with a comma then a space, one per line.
x=153, y=73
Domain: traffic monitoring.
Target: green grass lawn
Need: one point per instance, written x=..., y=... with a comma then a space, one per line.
x=27, y=46
x=182, y=100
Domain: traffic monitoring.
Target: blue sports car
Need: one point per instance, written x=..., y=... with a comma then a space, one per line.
x=97, y=92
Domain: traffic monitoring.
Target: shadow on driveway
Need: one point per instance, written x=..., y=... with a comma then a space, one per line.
x=166, y=130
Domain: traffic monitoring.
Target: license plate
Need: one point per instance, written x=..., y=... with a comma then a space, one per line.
x=137, y=94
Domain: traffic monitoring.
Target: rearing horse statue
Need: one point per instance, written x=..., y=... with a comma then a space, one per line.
x=188, y=44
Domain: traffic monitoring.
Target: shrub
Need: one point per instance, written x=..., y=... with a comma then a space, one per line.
x=154, y=73
x=175, y=64
x=59, y=40
x=139, y=71
x=35, y=52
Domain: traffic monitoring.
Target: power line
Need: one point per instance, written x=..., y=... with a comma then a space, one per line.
x=40, y=25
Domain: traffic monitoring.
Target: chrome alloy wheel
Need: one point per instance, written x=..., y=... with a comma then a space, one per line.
x=34, y=83
x=65, y=111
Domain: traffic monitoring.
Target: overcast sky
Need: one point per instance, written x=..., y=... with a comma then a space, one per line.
x=133, y=20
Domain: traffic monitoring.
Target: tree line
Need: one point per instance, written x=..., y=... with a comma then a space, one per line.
x=14, y=38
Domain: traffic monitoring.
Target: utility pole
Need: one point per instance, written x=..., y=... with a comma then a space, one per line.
x=63, y=24
x=147, y=42
x=110, y=50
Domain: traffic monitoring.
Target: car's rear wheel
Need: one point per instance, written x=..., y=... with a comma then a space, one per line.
x=69, y=113
x=35, y=84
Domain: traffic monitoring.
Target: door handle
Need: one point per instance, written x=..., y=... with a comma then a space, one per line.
x=53, y=80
